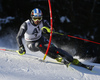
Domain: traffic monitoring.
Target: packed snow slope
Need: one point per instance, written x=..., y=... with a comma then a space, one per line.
x=27, y=67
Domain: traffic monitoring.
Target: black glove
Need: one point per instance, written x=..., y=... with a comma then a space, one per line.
x=22, y=50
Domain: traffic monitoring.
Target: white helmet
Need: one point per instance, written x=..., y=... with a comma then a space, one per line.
x=36, y=14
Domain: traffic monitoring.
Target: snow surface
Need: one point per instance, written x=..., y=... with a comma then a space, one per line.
x=26, y=67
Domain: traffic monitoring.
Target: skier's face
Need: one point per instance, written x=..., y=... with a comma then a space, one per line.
x=37, y=20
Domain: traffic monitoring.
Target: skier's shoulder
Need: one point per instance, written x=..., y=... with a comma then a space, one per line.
x=45, y=23
x=24, y=24
x=27, y=21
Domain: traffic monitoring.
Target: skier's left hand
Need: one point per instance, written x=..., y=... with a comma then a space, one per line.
x=45, y=29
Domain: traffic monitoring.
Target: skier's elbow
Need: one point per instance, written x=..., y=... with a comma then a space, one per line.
x=18, y=38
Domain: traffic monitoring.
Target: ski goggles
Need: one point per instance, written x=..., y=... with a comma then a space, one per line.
x=38, y=18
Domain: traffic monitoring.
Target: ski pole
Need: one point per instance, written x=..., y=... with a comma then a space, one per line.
x=77, y=38
x=73, y=36
x=59, y=33
x=8, y=50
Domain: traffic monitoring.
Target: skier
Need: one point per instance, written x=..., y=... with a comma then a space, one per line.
x=32, y=30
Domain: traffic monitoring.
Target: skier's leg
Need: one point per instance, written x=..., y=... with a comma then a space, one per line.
x=51, y=52
x=36, y=46
x=55, y=53
x=41, y=45
x=32, y=46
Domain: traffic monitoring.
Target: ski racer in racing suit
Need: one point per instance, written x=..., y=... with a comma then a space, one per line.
x=32, y=30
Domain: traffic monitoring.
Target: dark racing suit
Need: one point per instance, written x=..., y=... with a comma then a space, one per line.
x=36, y=41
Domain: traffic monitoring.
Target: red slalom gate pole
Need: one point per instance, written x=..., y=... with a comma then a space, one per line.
x=51, y=30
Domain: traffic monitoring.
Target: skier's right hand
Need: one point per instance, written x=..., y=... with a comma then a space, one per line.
x=21, y=50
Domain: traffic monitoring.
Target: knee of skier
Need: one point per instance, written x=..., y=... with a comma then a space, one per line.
x=32, y=47
x=59, y=58
x=65, y=54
